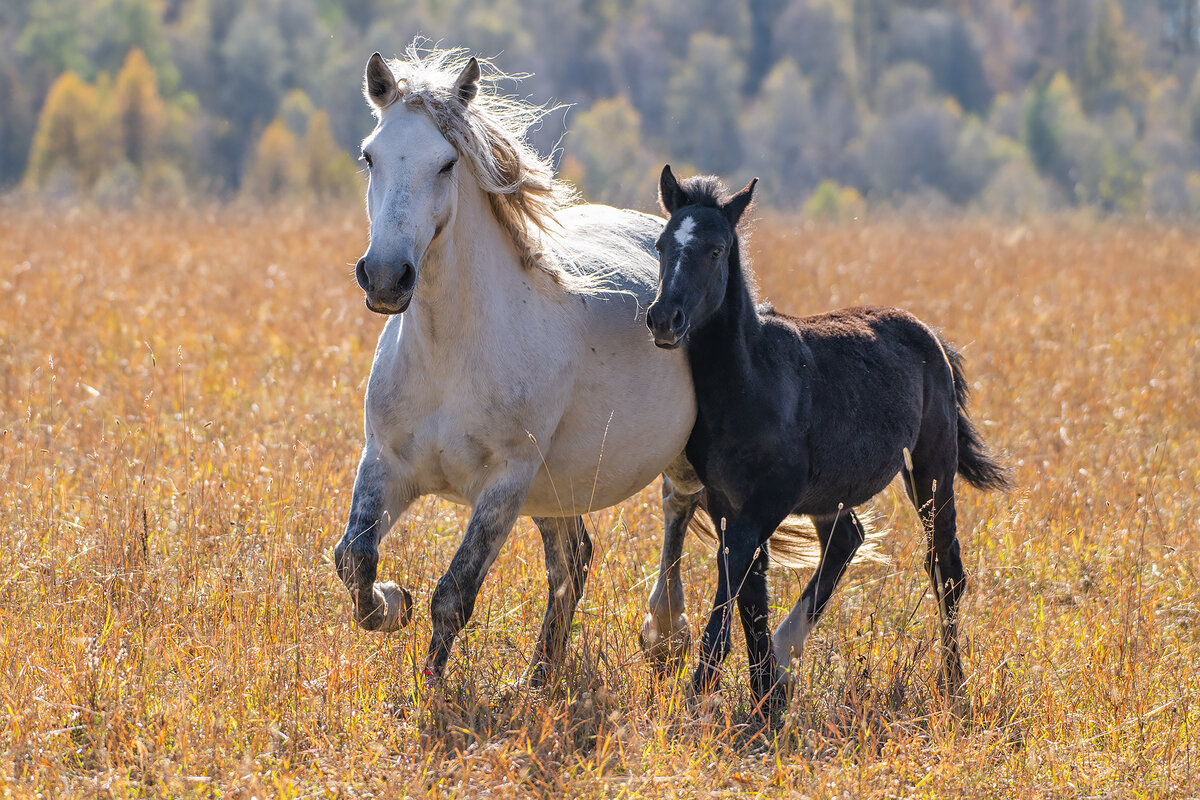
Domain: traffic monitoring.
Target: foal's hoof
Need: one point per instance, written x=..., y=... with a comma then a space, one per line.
x=951, y=679
x=393, y=609
x=665, y=653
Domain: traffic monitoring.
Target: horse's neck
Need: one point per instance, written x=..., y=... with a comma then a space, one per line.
x=463, y=299
x=720, y=349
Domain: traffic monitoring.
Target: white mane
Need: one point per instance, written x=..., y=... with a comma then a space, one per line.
x=522, y=190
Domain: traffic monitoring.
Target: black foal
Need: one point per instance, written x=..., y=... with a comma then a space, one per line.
x=810, y=416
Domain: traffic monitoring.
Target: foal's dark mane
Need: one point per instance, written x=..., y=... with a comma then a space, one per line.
x=707, y=191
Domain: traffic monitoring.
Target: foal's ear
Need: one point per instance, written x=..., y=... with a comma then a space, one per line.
x=379, y=84
x=466, y=85
x=738, y=204
x=670, y=195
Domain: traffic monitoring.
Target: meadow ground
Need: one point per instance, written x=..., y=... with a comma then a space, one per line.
x=180, y=415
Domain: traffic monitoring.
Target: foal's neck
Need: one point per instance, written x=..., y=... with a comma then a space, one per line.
x=721, y=346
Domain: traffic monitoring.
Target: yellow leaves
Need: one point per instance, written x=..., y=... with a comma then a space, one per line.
x=313, y=166
x=141, y=114
x=71, y=138
x=275, y=170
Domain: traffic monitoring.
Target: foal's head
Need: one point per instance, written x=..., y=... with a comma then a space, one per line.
x=693, y=253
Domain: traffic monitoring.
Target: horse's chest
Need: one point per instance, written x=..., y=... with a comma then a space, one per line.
x=450, y=437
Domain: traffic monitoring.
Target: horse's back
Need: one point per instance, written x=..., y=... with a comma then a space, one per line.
x=889, y=340
x=877, y=378
x=616, y=243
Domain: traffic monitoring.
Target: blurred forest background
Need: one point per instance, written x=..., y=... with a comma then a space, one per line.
x=1007, y=107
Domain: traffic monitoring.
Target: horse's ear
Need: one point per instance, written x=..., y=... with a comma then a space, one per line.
x=379, y=84
x=670, y=195
x=466, y=85
x=738, y=204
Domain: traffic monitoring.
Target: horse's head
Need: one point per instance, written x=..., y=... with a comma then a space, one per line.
x=412, y=192
x=693, y=253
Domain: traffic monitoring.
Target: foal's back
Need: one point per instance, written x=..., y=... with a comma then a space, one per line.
x=867, y=384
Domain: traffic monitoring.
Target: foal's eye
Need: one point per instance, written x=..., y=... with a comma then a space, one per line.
x=718, y=252
x=366, y=157
x=449, y=165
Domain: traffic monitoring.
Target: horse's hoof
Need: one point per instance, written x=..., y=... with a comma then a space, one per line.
x=951, y=681
x=779, y=698
x=537, y=676
x=532, y=683
x=397, y=602
x=785, y=679
x=665, y=653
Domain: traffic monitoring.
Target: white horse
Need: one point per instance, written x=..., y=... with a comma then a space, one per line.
x=515, y=373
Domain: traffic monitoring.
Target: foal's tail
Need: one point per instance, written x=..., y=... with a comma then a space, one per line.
x=976, y=463
x=794, y=543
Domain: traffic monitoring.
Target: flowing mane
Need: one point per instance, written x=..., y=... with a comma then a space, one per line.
x=522, y=190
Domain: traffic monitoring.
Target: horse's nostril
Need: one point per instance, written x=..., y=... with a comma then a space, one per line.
x=360, y=274
x=677, y=320
x=654, y=317
x=408, y=277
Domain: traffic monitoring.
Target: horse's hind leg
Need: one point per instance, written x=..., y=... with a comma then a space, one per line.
x=665, y=636
x=840, y=537
x=932, y=492
x=454, y=597
x=568, y=550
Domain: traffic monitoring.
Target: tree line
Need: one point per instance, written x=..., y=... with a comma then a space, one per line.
x=1004, y=106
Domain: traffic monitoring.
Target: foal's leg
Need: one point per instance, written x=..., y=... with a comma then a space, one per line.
x=934, y=499
x=380, y=497
x=754, y=607
x=665, y=636
x=453, y=599
x=840, y=537
x=568, y=550
x=739, y=551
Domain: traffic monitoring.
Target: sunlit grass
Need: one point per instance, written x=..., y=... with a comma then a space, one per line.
x=179, y=423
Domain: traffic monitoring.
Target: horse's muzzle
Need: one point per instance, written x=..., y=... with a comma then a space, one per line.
x=668, y=328
x=389, y=287
x=389, y=309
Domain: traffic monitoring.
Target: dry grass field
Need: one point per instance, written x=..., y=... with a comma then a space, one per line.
x=180, y=418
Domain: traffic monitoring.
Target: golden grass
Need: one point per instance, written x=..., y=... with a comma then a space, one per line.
x=179, y=425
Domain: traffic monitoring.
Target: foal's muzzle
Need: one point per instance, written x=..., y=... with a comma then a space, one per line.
x=389, y=287
x=669, y=326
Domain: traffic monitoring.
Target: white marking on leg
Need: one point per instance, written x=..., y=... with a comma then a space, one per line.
x=789, y=638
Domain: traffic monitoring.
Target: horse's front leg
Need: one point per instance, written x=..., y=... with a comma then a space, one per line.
x=380, y=497
x=453, y=599
x=665, y=636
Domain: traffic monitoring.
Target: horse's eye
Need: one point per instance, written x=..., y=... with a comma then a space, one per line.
x=718, y=252
x=366, y=157
x=445, y=170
